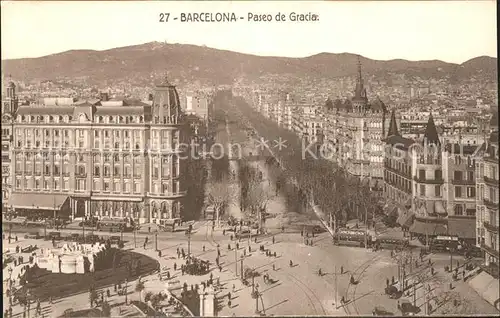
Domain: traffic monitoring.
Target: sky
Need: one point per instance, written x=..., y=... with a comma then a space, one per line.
x=445, y=30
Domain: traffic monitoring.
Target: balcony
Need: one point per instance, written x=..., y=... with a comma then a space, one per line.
x=463, y=182
x=81, y=175
x=490, y=204
x=490, y=250
x=490, y=181
x=65, y=174
x=490, y=227
x=167, y=194
x=428, y=181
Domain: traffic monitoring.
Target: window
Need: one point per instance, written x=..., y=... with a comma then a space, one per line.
x=438, y=175
x=458, y=192
x=493, y=195
x=421, y=174
x=457, y=175
x=437, y=191
x=155, y=172
x=137, y=187
x=106, y=186
x=126, y=187
x=96, y=185
x=116, y=170
x=97, y=171
x=80, y=185
x=65, y=185
x=422, y=189
x=18, y=183
x=458, y=160
x=37, y=184
x=470, y=175
x=471, y=192
x=45, y=184
x=459, y=210
x=57, y=170
x=494, y=173
x=57, y=185
x=116, y=186
x=106, y=171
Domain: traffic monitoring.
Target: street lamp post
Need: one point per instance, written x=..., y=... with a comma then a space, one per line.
x=241, y=266
x=257, y=299
x=156, y=242
x=188, y=233
x=236, y=260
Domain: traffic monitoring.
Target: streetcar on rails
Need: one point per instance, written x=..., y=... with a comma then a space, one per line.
x=352, y=237
x=113, y=226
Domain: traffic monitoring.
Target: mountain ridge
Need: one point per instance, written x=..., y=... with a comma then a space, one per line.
x=188, y=62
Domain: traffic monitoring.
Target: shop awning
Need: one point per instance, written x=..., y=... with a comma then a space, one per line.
x=37, y=201
x=430, y=228
x=486, y=286
x=463, y=228
x=406, y=218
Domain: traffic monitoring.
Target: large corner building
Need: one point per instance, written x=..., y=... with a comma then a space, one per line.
x=103, y=158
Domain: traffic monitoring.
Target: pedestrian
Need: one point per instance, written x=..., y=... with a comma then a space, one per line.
x=224, y=232
x=108, y=293
x=218, y=281
x=218, y=252
x=274, y=267
x=168, y=275
x=220, y=268
x=203, y=248
x=237, y=246
x=234, y=287
x=228, y=247
x=291, y=263
x=283, y=229
x=274, y=254
x=342, y=300
x=244, y=252
x=229, y=303
x=249, y=249
x=175, y=266
x=273, y=240
x=255, y=240
x=16, y=238
x=231, y=237
x=229, y=295
x=387, y=282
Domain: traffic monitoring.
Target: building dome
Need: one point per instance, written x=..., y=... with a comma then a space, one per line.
x=166, y=103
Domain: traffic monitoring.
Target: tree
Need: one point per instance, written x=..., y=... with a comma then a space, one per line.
x=92, y=296
x=220, y=195
x=453, y=303
x=106, y=309
x=139, y=287
x=257, y=198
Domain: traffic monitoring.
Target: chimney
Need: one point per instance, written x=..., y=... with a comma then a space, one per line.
x=104, y=97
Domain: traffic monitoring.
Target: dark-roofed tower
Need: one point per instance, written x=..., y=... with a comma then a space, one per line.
x=166, y=104
x=431, y=136
x=393, y=126
x=360, y=99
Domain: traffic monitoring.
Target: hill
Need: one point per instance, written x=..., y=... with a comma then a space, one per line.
x=138, y=63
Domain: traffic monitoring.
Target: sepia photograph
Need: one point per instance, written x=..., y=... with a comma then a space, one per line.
x=249, y=158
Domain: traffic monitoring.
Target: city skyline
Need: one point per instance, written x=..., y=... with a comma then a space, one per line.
x=447, y=27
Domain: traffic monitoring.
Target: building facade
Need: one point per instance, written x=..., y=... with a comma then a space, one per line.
x=487, y=221
x=9, y=107
x=115, y=159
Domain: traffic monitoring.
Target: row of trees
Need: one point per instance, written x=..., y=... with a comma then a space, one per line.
x=321, y=181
